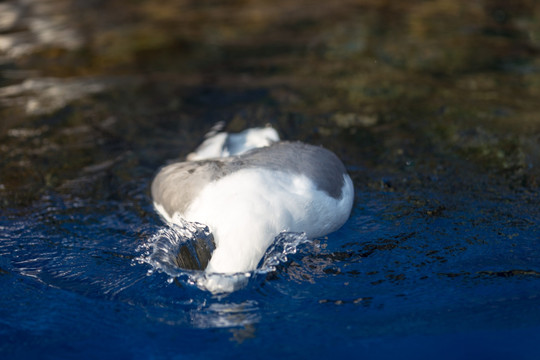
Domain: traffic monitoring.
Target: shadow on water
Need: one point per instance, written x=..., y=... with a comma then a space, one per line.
x=431, y=105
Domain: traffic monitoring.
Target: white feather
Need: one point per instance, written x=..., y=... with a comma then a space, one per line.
x=223, y=144
x=247, y=209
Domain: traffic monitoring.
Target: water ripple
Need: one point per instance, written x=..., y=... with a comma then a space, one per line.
x=167, y=250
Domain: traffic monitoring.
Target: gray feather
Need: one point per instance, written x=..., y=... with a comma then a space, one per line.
x=176, y=185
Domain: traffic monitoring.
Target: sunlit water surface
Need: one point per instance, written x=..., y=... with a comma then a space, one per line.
x=432, y=106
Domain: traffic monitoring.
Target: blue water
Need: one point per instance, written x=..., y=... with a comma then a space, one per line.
x=432, y=105
x=439, y=270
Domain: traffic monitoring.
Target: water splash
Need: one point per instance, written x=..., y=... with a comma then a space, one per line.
x=182, y=251
x=178, y=247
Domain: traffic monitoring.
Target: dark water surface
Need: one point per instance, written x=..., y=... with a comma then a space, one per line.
x=432, y=105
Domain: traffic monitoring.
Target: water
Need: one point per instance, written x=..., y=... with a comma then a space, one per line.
x=439, y=258
x=182, y=251
x=392, y=280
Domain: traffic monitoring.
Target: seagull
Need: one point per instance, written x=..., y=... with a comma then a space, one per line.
x=249, y=195
x=219, y=143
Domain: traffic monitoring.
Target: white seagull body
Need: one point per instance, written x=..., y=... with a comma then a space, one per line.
x=248, y=199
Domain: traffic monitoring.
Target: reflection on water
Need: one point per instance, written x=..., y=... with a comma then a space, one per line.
x=41, y=96
x=227, y=315
x=29, y=26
